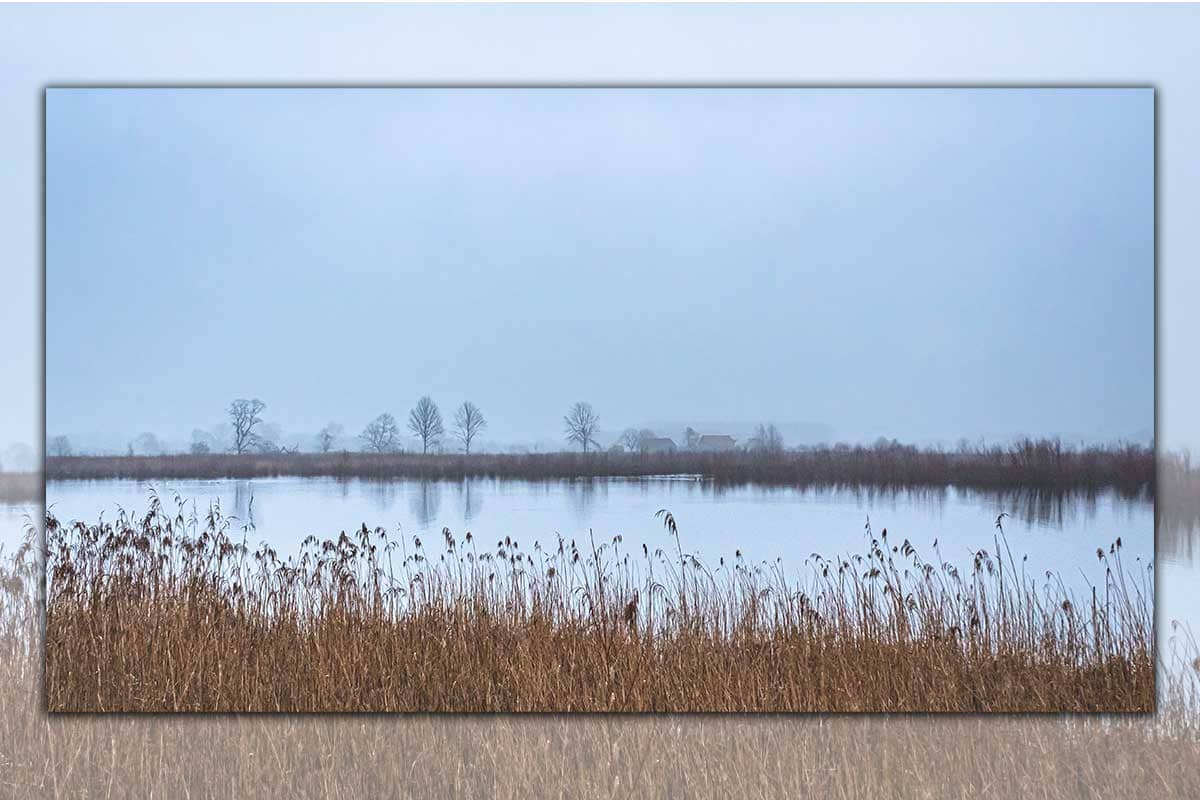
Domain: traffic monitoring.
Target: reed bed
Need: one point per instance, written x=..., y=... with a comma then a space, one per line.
x=585, y=756
x=1032, y=464
x=170, y=611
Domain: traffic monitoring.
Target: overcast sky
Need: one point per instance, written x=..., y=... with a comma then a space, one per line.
x=920, y=264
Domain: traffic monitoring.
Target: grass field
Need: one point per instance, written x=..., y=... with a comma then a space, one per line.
x=166, y=613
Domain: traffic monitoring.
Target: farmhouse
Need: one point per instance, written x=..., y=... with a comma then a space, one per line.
x=658, y=444
x=715, y=443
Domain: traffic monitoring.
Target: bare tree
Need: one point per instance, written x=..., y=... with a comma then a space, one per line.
x=581, y=423
x=691, y=438
x=468, y=421
x=382, y=434
x=59, y=446
x=147, y=444
x=328, y=436
x=635, y=440
x=245, y=415
x=767, y=439
x=203, y=442
x=425, y=421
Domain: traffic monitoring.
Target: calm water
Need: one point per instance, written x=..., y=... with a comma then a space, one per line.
x=1057, y=533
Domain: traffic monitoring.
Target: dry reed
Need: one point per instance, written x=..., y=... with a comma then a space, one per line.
x=170, y=612
x=589, y=756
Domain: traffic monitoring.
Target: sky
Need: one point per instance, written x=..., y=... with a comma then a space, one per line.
x=922, y=264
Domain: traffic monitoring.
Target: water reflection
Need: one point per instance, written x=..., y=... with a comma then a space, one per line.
x=1040, y=507
x=470, y=500
x=1177, y=523
x=1178, y=541
x=243, y=503
x=381, y=493
x=426, y=501
x=582, y=494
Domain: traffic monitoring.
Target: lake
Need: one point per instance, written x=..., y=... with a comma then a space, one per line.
x=1057, y=532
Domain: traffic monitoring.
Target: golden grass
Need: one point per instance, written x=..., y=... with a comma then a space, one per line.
x=167, y=613
x=588, y=756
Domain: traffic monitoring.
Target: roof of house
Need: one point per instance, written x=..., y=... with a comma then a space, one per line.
x=658, y=441
x=716, y=438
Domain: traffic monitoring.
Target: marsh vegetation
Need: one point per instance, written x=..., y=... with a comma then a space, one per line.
x=1030, y=464
x=277, y=755
x=168, y=611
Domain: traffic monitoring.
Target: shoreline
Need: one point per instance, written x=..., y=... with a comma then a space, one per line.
x=1045, y=465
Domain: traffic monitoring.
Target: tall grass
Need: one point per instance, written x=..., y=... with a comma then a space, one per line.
x=170, y=611
x=1041, y=464
x=585, y=756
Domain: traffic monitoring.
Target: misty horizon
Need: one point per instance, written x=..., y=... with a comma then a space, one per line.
x=795, y=434
x=920, y=265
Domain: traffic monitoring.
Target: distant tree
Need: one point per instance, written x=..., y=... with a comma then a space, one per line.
x=59, y=446
x=581, y=423
x=146, y=444
x=468, y=421
x=271, y=432
x=265, y=445
x=327, y=437
x=203, y=442
x=691, y=439
x=766, y=439
x=636, y=440
x=244, y=416
x=425, y=421
x=382, y=435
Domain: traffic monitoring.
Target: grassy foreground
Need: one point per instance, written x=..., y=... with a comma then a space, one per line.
x=170, y=613
x=590, y=756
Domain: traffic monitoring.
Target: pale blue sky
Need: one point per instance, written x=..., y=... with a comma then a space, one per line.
x=923, y=264
x=810, y=44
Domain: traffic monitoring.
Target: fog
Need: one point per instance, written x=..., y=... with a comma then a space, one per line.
x=918, y=264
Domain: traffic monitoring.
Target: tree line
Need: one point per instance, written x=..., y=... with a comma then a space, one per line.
x=383, y=433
